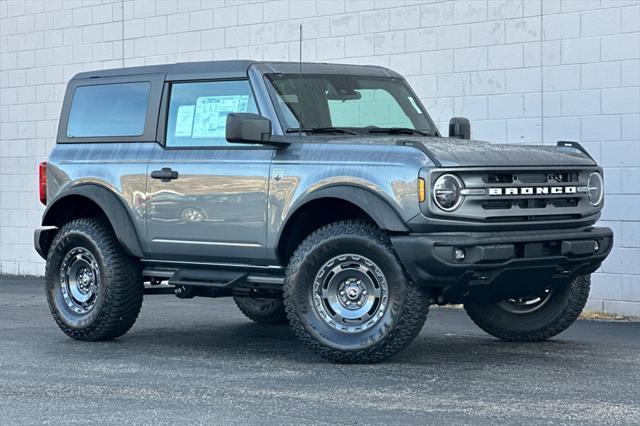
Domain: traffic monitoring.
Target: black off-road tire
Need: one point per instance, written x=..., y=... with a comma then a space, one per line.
x=402, y=320
x=561, y=310
x=120, y=290
x=262, y=311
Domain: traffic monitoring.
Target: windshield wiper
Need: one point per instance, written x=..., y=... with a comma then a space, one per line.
x=399, y=131
x=320, y=130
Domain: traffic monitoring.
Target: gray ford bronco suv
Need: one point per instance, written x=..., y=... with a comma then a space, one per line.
x=318, y=194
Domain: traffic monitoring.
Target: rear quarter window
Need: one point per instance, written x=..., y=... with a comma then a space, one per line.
x=104, y=110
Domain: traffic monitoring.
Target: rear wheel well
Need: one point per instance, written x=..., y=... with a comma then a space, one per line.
x=86, y=201
x=72, y=207
x=312, y=216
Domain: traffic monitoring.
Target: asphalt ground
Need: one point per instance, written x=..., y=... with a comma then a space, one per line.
x=200, y=361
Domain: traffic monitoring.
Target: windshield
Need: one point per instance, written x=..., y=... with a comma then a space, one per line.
x=347, y=104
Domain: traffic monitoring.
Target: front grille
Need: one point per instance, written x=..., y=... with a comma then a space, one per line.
x=525, y=195
x=499, y=178
x=529, y=204
x=497, y=204
x=532, y=177
x=497, y=219
x=566, y=202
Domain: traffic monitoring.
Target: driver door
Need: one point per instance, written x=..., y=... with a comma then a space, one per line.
x=206, y=198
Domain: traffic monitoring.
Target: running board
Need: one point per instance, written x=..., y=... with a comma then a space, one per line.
x=217, y=278
x=206, y=278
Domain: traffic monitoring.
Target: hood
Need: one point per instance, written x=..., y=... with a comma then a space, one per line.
x=451, y=152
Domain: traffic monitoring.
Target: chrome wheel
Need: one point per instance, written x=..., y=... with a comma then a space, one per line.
x=80, y=280
x=526, y=305
x=350, y=293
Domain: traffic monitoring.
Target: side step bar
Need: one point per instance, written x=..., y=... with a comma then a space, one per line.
x=206, y=278
x=213, y=282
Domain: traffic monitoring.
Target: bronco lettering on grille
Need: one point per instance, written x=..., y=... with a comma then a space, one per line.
x=533, y=190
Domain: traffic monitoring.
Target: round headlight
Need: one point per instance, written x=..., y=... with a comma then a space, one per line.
x=447, y=192
x=595, y=188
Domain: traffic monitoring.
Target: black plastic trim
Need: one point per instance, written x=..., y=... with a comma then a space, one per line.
x=500, y=256
x=380, y=211
x=111, y=206
x=42, y=238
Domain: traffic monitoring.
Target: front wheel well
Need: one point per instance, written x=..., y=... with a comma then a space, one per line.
x=312, y=216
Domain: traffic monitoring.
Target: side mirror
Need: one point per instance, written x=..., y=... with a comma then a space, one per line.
x=247, y=128
x=460, y=128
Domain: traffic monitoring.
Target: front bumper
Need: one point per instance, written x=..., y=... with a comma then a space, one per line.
x=505, y=264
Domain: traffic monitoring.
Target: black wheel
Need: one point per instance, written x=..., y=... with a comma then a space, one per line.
x=263, y=311
x=347, y=296
x=94, y=288
x=534, y=318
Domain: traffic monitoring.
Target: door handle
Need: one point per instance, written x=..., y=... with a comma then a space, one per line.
x=165, y=175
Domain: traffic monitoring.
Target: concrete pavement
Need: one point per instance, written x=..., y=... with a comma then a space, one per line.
x=200, y=361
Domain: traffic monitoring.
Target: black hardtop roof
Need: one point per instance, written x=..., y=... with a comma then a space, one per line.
x=236, y=69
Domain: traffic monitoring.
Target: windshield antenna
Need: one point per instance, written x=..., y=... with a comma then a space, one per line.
x=300, y=82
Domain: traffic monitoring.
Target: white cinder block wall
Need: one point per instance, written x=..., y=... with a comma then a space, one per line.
x=523, y=71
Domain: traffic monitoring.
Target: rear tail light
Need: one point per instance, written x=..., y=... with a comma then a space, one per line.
x=42, y=182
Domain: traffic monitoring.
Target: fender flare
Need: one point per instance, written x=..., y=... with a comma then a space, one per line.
x=112, y=207
x=385, y=216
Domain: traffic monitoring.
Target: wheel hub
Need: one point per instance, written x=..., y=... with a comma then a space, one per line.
x=350, y=293
x=79, y=280
x=85, y=280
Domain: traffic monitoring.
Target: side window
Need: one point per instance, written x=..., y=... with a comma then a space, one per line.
x=198, y=111
x=117, y=109
x=373, y=106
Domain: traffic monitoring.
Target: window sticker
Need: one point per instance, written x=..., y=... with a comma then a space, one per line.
x=184, y=121
x=210, y=117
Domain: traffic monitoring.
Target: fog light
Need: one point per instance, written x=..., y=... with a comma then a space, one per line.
x=459, y=254
x=596, y=247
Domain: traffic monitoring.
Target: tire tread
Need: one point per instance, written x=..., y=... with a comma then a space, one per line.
x=122, y=281
x=578, y=295
x=272, y=314
x=411, y=319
